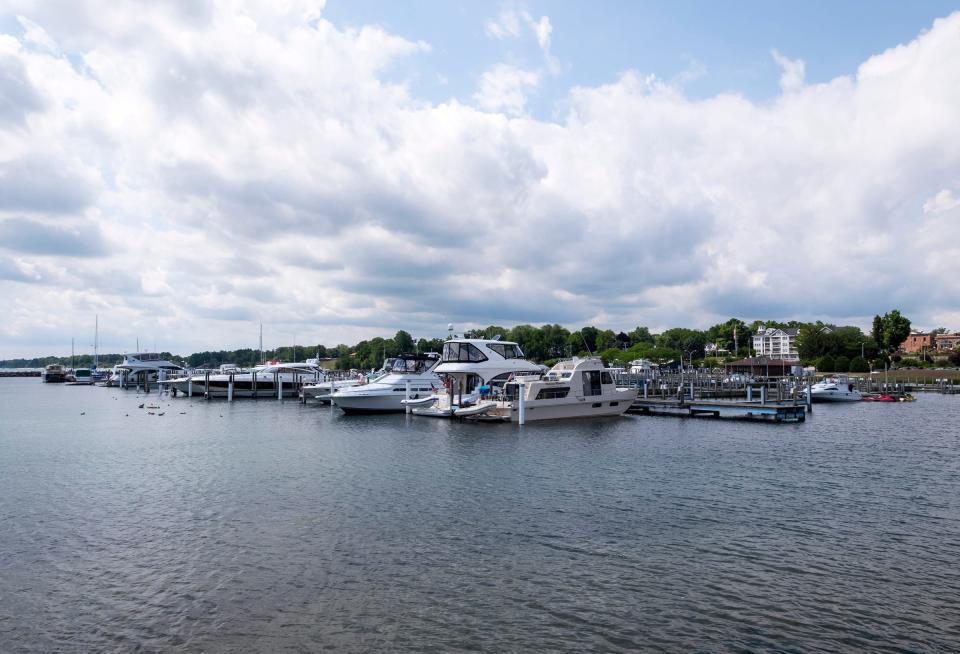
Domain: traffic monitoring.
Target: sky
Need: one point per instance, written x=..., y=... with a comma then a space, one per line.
x=188, y=170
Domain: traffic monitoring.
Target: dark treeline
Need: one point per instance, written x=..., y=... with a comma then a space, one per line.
x=831, y=347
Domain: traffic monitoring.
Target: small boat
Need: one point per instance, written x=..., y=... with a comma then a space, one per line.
x=80, y=377
x=879, y=397
x=835, y=389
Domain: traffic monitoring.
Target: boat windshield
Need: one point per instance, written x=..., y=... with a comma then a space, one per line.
x=462, y=352
x=507, y=350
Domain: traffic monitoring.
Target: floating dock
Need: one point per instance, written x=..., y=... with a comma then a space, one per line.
x=764, y=411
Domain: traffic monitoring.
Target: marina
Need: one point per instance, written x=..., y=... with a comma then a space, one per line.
x=272, y=525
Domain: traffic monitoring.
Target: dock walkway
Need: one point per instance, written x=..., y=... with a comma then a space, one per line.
x=685, y=408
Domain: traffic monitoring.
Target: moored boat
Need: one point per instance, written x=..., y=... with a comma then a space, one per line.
x=835, y=389
x=386, y=393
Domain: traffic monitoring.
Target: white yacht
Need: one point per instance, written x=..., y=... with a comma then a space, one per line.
x=467, y=364
x=259, y=381
x=385, y=394
x=140, y=367
x=835, y=389
x=577, y=388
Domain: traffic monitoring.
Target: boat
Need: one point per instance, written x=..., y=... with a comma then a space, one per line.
x=259, y=381
x=80, y=377
x=835, y=389
x=386, y=393
x=468, y=364
x=879, y=397
x=322, y=391
x=54, y=374
x=142, y=367
x=575, y=388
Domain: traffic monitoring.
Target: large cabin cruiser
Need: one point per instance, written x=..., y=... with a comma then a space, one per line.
x=834, y=389
x=466, y=364
x=260, y=381
x=142, y=367
x=578, y=388
x=54, y=374
x=385, y=394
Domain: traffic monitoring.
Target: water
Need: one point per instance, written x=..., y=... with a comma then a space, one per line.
x=267, y=526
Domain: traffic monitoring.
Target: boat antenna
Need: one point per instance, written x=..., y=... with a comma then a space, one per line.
x=261, y=344
x=584, y=338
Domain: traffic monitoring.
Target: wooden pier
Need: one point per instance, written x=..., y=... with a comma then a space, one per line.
x=777, y=412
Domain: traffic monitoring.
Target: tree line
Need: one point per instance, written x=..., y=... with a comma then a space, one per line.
x=835, y=348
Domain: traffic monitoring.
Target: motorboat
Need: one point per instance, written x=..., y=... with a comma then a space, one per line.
x=54, y=374
x=322, y=390
x=466, y=365
x=386, y=393
x=576, y=388
x=835, y=389
x=260, y=381
x=80, y=377
x=143, y=368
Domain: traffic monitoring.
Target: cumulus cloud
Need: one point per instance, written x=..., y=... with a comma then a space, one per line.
x=222, y=163
x=505, y=88
x=512, y=22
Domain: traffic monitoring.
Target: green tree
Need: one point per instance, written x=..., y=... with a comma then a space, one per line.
x=606, y=339
x=859, y=364
x=640, y=335
x=403, y=341
x=877, y=330
x=683, y=339
x=841, y=364
x=896, y=328
x=825, y=364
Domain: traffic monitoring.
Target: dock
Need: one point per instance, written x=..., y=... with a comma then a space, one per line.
x=761, y=411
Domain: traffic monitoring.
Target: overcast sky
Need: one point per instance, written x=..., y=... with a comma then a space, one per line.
x=189, y=169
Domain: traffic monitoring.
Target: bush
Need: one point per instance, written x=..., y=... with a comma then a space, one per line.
x=859, y=364
x=841, y=364
x=909, y=362
x=825, y=364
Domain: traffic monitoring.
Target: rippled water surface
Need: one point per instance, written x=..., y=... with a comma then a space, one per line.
x=268, y=526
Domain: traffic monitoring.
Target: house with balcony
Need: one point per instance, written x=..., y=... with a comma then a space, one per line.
x=776, y=343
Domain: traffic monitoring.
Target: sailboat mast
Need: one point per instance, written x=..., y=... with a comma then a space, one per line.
x=96, y=340
x=261, y=343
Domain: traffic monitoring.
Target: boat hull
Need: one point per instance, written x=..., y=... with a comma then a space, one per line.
x=610, y=404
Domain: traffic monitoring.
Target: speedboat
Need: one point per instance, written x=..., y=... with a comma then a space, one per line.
x=466, y=365
x=260, y=381
x=142, y=367
x=385, y=394
x=577, y=388
x=834, y=389
x=54, y=374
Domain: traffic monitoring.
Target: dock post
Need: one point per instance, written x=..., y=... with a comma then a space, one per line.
x=522, y=417
x=644, y=389
x=407, y=406
x=146, y=382
x=333, y=387
x=253, y=384
x=278, y=385
x=230, y=389
x=763, y=394
x=206, y=384
x=750, y=393
x=190, y=385
x=809, y=394
x=692, y=396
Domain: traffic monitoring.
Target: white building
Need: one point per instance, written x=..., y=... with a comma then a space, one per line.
x=776, y=343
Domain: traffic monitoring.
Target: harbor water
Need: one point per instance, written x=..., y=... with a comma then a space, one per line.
x=272, y=526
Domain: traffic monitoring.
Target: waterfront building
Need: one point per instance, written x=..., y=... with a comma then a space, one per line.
x=918, y=341
x=946, y=342
x=776, y=343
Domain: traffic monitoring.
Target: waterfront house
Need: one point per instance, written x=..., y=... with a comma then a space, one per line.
x=763, y=367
